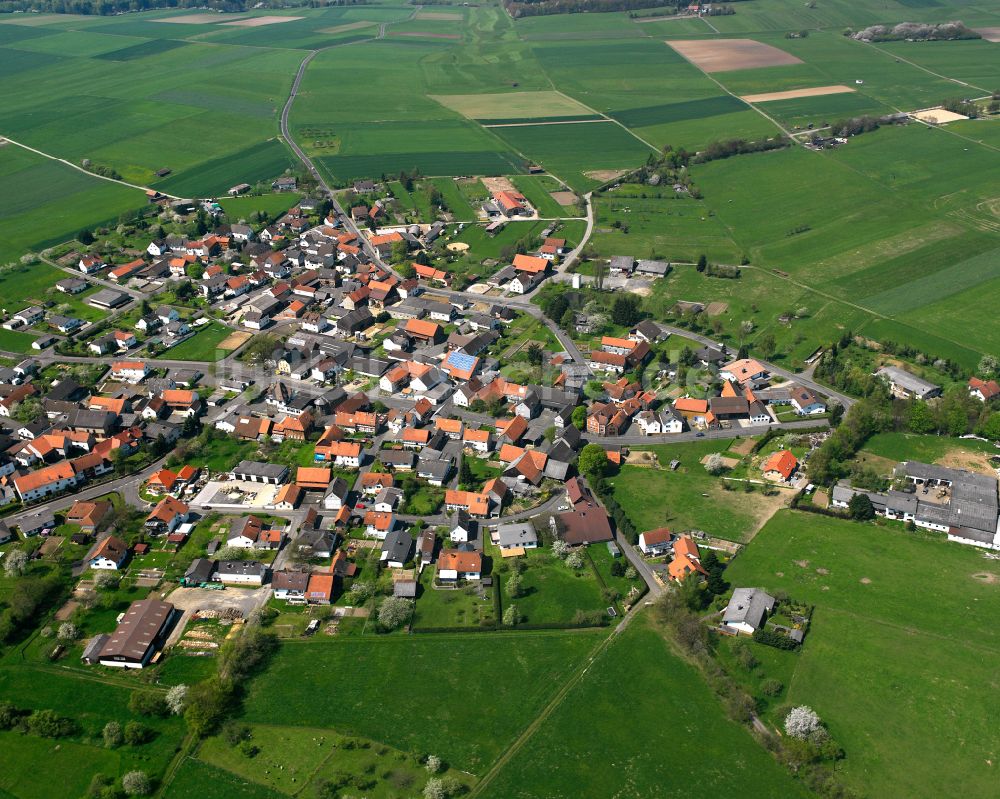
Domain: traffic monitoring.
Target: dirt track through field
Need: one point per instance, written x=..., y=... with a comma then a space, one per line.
x=989, y=34
x=259, y=22
x=791, y=94
x=725, y=55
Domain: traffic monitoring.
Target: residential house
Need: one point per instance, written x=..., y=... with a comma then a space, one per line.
x=397, y=547
x=459, y=564
x=780, y=466
x=108, y=554
x=686, y=560
x=748, y=610
x=654, y=543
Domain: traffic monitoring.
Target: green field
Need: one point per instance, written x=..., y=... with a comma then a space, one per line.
x=598, y=742
x=44, y=202
x=203, y=345
x=688, y=498
x=896, y=673
x=508, y=681
x=552, y=592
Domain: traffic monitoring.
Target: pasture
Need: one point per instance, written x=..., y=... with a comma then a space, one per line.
x=676, y=729
x=506, y=666
x=688, y=498
x=895, y=672
x=44, y=202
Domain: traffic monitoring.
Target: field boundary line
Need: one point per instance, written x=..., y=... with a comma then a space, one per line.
x=79, y=168
x=924, y=69
x=608, y=118
x=547, y=711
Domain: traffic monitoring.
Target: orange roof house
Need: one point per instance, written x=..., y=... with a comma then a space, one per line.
x=475, y=504
x=419, y=328
x=290, y=494
x=687, y=559
x=531, y=264
x=780, y=464
x=313, y=477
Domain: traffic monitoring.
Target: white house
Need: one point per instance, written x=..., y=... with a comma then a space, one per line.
x=107, y=554
x=129, y=371
x=655, y=542
x=458, y=564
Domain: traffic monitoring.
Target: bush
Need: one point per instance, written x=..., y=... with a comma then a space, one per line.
x=49, y=724
x=771, y=638
x=112, y=734
x=744, y=657
x=235, y=733
x=575, y=560
x=137, y=734
x=771, y=687
x=147, y=703
x=137, y=783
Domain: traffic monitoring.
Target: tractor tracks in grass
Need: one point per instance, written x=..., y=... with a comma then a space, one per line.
x=79, y=168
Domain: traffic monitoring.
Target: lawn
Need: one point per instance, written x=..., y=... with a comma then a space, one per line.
x=203, y=345
x=929, y=449
x=508, y=679
x=597, y=742
x=274, y=205
x=900, y=645
x=69, y=766
x=688, y=498
x=299, y=759
x=197, y=780
x=551, y=592
x=459, y=607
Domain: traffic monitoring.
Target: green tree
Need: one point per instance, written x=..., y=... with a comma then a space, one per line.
x=860, y=508
x=702, y=262
x=625, y=310
x=579, y=417
x=535, y=354
x=85, y=237
x=399, y=252
x=920, y=417
x=593, y=461
x=407, y=271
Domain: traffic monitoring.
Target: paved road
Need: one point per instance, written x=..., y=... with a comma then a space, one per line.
x=802, y=378
x=673, y=438
x=128, y=486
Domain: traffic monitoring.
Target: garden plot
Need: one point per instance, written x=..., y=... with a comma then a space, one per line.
x=727, y=55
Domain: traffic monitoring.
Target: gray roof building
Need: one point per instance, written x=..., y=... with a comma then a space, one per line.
x=749, y=606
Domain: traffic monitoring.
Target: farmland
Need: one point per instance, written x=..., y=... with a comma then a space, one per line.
x=891, y=669
x=580, y=743
x=430, y=665
x=688, y=498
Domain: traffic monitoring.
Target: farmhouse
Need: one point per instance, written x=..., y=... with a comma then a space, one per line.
x=960, y=503
x=905, y=385
x=139, y=634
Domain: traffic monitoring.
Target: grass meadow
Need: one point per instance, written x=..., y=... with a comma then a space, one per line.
x=900, y=647
x=487, y=688
x=676, y=728
x=688, y=498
